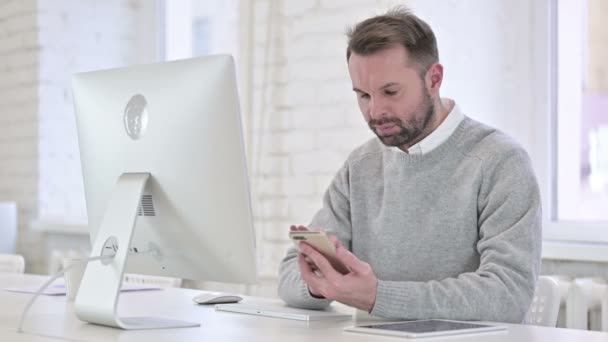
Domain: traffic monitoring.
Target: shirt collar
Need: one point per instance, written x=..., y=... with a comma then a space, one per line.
x=440, y=134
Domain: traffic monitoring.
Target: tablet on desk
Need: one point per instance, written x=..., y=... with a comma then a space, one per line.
x=283, y=311
x=425, y=328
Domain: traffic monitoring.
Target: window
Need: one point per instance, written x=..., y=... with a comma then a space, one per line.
x=572, y=147
x=193, y=28
x=197, y=28
x=581, y=122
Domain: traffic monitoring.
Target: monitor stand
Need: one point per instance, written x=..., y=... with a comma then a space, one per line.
x=97, y=299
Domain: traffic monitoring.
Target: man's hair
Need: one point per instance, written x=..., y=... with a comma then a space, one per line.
x=398, y=26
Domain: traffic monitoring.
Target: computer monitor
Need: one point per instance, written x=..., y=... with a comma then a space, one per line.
x=165, y=180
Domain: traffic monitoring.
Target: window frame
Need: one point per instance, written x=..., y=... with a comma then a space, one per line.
x=564, y=240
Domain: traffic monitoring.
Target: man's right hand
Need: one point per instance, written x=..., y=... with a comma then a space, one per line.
x=357, y=288
x=310, y=265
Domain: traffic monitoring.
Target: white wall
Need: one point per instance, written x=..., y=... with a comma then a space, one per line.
x=41, y=44
x=19, y=54
x=486, y=50
x=77, y=36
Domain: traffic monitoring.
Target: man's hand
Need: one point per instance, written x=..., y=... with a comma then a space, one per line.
x=357, y=288
x=312, y=265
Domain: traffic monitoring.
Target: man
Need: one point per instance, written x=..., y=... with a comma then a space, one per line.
x=437, y=218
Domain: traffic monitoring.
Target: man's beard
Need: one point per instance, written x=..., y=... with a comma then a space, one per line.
x=406, y=135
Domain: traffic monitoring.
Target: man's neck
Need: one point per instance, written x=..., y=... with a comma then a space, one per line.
x=442, y=109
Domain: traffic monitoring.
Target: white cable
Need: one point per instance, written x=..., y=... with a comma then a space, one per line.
x=52, y=279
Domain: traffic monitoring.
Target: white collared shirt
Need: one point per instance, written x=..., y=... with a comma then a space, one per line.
x=439, y=135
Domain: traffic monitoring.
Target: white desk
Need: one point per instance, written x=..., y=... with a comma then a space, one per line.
x=52, y=319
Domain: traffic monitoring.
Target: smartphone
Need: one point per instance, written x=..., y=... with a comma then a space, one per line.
x=321, y=243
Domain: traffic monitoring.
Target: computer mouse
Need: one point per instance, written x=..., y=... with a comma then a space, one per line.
x=216, y=298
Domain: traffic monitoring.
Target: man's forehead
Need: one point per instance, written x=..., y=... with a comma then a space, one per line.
x=382, y=77
x=378, y=70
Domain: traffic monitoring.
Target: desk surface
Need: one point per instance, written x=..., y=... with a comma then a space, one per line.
x=52, y=319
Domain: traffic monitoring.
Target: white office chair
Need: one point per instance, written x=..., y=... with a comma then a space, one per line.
x=12, y=263
x=163, y=282
x=545, y=304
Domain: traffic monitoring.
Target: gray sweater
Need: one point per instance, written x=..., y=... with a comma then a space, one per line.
x=454, y=233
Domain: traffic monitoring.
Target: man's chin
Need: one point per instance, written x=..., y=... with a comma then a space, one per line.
x=391, y=140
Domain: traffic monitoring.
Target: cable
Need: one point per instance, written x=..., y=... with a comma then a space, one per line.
x=51, y=280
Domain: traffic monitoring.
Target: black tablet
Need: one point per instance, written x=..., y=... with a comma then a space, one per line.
x=425, y=328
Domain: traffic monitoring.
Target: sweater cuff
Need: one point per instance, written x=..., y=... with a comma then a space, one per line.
x=390, y=300
x=314, y=302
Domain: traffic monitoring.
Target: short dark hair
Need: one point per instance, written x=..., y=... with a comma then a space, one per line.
x=398, y=26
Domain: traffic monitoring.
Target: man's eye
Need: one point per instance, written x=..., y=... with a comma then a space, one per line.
x=390, y=93
x=364, y=96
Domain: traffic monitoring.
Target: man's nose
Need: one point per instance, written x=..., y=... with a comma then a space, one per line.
x=377, y=109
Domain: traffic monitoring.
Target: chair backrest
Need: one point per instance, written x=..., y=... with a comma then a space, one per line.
x=164, y=282
x=545, y=304
x=12, y=263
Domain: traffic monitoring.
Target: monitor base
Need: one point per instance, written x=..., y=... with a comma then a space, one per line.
x=139, y=323
x=97, y=299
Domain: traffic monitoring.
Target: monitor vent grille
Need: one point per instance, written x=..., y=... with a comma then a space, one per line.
x=146, y=206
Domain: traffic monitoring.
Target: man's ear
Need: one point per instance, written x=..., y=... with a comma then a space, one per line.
x=433, y=78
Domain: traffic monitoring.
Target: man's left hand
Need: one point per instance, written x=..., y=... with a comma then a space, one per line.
x=357, y=288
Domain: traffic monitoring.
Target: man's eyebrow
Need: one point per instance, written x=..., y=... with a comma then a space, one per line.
x=390, y=84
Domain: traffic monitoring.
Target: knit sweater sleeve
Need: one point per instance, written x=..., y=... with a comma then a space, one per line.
x=334, y=218
x=501, y=289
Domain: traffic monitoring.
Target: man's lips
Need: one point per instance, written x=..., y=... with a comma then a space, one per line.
x=386, y=129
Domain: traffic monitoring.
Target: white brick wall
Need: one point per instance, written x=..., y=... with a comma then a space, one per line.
x=41, y=44
x=19, y=53
x=76, y=36
x=305, y=130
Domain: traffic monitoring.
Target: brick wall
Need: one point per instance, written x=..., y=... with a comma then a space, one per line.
x=19, y=54
x=74, y=36
x=305, y=118
x=77, y=36
x=42, y=43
